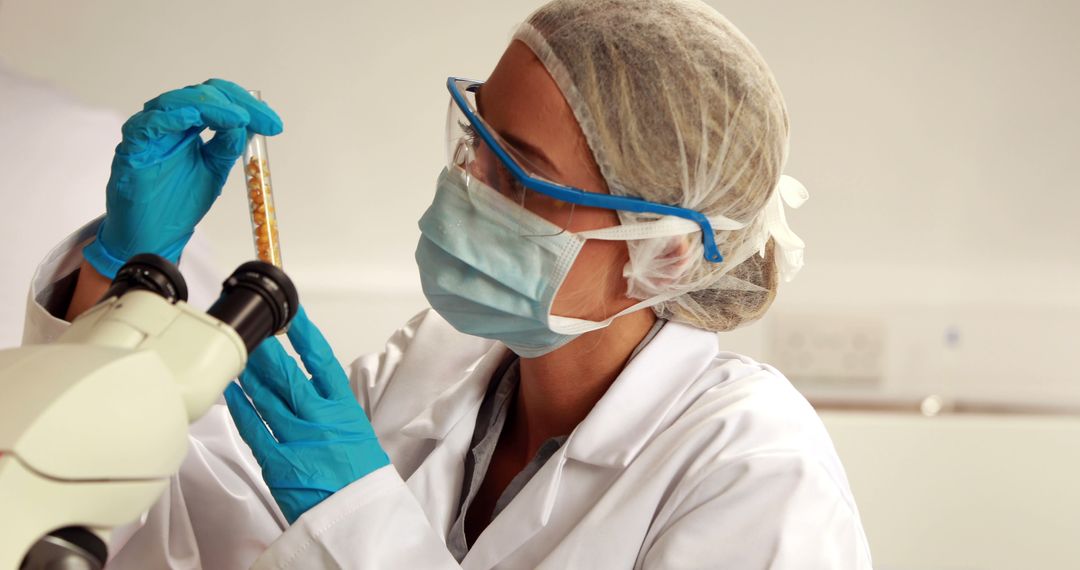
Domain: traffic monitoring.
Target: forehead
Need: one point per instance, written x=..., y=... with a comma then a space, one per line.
x=520, y=94
x=521, y=99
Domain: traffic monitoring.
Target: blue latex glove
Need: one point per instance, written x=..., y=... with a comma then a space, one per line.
x=321, y=440
x=165, y=178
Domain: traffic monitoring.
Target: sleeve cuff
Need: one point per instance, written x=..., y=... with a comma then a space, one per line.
x=51, y=287
x=101, y=260
x=307, y=533
x=373, y=523
x=108, y=265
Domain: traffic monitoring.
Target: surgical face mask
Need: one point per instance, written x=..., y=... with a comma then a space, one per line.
x=491, y=268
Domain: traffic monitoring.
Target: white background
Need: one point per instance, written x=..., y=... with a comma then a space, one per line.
x=938, y=141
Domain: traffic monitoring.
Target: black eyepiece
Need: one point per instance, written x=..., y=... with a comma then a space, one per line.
x=70, y=547
x=152, y=273
x=257, y=300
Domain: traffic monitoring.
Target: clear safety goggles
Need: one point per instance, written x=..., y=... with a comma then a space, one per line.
x=473, y=149
x=499, y=164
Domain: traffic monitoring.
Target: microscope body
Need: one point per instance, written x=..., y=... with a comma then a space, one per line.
x=93, y=425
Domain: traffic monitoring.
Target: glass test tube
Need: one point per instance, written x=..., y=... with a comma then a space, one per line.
x=264, y=227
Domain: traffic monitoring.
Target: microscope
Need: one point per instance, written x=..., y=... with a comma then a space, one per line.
x=93, y=425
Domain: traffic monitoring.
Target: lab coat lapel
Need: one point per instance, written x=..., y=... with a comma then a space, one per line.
x=619, y=426
x=529, y=512
x=449, y=422
x=643, y=397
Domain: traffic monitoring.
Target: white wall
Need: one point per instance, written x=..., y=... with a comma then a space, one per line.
x=937, y=139
x=964, y=492
x=360, y=86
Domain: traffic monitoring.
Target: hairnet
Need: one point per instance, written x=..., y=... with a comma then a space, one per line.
x=679, y=108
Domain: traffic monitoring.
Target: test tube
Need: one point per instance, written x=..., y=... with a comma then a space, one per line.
x=264, y=227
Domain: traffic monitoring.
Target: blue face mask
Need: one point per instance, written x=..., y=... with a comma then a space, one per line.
x=491, y=268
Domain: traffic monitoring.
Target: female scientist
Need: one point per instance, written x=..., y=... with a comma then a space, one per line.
x=612, y=198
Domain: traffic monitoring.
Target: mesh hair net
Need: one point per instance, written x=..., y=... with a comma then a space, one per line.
x=679, y=108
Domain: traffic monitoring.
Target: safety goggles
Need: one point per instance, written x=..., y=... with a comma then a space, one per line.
x=474, y=149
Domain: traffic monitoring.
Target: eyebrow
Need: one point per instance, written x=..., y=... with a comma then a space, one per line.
x=520, y=144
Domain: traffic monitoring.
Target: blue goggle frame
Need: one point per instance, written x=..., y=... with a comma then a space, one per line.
x=576, y=195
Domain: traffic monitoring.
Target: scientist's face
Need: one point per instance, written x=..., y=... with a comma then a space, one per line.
x=521, y=102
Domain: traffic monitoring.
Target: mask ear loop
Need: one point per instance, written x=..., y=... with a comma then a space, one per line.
x=575, y=326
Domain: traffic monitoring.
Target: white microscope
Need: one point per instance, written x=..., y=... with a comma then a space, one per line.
x=93, y=425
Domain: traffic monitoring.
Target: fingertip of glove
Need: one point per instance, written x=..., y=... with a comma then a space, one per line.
x=231, y=388
x=301, y=327
x=266, y=355
x=268, y=346
x=301, y=315
x=263, y=119
x=234, y=393
x=224, y=85
x=227, y=117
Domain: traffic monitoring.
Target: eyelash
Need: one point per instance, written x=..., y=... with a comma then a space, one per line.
x=470, y=133
x=475, y=140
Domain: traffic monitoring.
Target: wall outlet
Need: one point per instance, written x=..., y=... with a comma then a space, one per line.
x=829, y=351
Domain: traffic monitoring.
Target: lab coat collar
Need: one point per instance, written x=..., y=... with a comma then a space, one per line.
x=636, y=405
x=435, y=420
x=641, y=399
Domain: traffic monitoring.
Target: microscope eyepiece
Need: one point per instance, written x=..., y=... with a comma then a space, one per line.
x=70, y=547
x=152, y=273
x=257, y=300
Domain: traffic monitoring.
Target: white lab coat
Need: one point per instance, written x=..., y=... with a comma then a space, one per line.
x=694, y=458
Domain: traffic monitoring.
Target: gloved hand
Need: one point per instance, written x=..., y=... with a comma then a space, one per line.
x=165, y=178
x=321, y=440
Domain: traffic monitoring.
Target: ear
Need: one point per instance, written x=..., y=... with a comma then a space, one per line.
x=675, y=249
x=672, y=262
